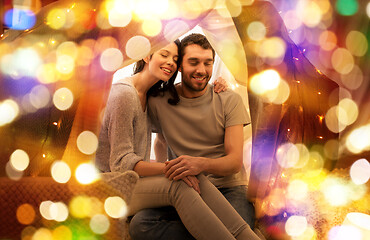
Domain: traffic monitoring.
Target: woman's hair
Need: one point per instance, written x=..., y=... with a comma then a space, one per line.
x=160, y=87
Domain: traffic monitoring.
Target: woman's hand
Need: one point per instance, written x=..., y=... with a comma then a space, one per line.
x=220, y=85
x=192, y=181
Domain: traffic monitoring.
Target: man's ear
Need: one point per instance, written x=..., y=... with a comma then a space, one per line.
x=179, y=69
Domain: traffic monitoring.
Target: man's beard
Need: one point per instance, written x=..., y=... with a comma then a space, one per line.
x=195, y=87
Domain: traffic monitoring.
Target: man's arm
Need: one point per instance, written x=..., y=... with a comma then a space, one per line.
x=160, y=148
x=229, y=164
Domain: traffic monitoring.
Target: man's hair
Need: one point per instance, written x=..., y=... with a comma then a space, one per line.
x=194, y=38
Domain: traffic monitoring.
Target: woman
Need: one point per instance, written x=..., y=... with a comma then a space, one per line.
x=124, y=144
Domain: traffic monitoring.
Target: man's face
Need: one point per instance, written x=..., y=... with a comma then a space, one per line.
x=196, y=69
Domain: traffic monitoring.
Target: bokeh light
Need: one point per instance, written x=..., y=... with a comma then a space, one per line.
x=328, y=40
x=25, y=214
x=353, y=79
x=60, y=172
x=58, y=211
x=138, y=47
x=42, y=234
x=57, y=18
x=265, y=81
x=342, y=61
x=117, y=18
x=87, y=142
x=65, y=64
x=296, y=225
x=63, y=99
x=310, y=13
x=39, y=96
x=356, y=43
x=360, y=171
x=358, y=140
x=80, y=207
x=344, y=233
x=9, y=110
x=99, y=224
x=256, y=31
x=19, y=160
x=12, y=173
x=347, y=7
x=349, y=110
x=86, y=173
x=111, y=59
x=297, y=190
x=115, y=207
x=45, y=209
x=151, y=27
x=62, y=232
x=19, y=19
x=336, y=191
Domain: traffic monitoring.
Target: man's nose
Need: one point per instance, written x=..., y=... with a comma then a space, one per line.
x=201, y=69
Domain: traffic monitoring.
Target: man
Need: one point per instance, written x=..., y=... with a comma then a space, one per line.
x=204, y=134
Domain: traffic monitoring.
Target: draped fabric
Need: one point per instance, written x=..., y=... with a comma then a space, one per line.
x=50, y=134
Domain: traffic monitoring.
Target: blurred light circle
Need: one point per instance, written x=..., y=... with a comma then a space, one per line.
x=234, y=7
x=138, y=47
x=9, y=110
x=191, y=9
x=351, y=109
x=292, y=20
x=344, y=232
x=174, y=28
x=311, y=14
x=58, y=211
x=256, y=31
x=347, y=7
x=297, y=190
x=332, y=119
x=331, y=149
x=280, y=94
x=262, y=82
x=65, y=64
x=315, y=162
x=287, y=155
x=62, y=233
x=85, y=56
x=13, y=173
x=80, y=206
x=358, y=140
x=368, y=9
x=296, y=225
x=19, y=19
x=63, y=99
x=99, y=224
x=86, y=173
x=42, y=234
x=39, y=96
x=151, y=27
x=87, y=142
x=46, y=73
x=336, y=191
x=56, y=18
x=119, y=19
x=272, y=48
x=27, y=232
x=328, y=40
x=68, y=48
x=360, y=171
x=19, y=160
x=353, y=79
x=115, y=207
x=60, y=172
x=45, y=210
x=342, y=61
x=356, y=43
x=111, y=59
x=25, y=214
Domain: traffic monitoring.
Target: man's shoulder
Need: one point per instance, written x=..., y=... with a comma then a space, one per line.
x=229, y=95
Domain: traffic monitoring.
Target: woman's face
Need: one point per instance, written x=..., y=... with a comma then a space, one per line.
x=163, y=63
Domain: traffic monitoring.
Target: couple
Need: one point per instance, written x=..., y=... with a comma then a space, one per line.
x=204, y=124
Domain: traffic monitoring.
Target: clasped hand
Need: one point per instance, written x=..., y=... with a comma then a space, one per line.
x=184, y=168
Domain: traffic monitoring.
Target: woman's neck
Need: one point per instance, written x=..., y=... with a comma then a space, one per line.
x=143, y=83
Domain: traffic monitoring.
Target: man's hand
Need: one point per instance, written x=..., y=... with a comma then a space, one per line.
x=193, y=182
x=183, y=166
